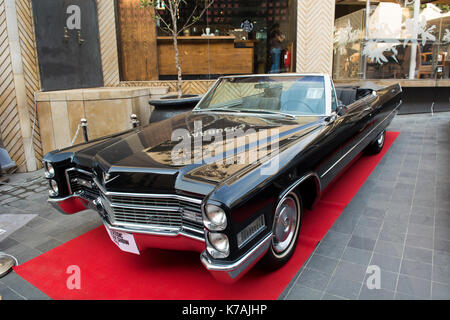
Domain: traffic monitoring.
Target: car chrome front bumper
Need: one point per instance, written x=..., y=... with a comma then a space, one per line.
x=233, y=271
x=70, y=205
x=228, y=272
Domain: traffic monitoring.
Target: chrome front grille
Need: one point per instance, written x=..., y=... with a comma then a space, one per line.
x=147, y=217
x=166, y=212
x=145, y=202
x=163, y=211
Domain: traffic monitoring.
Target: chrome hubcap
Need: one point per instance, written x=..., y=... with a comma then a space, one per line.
x=285, y=225
x=380, y=140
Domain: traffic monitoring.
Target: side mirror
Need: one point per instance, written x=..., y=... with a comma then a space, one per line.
x=341, y=109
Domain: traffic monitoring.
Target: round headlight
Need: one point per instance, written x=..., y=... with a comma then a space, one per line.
x=49, y=170
x=215, y=218
x=54, y=191
x=219, y=245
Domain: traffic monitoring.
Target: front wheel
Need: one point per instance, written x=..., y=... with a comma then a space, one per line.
x=286, y=228
x=376, y=146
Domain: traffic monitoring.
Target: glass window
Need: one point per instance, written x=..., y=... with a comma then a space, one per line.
x=392, y=40
x=230, y=37
x=295, y=95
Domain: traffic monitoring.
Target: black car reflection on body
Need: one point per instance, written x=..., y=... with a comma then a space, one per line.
x=231, y=178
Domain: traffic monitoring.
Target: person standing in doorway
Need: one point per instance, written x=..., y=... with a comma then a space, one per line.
x=276, y=45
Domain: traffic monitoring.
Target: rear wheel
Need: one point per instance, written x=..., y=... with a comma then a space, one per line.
x=376, y=146
x=286, y=228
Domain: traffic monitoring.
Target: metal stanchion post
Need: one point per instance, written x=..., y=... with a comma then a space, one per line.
x=84, y=125
x=135, y=121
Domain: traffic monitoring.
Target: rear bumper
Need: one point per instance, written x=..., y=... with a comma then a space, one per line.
x=233, y=271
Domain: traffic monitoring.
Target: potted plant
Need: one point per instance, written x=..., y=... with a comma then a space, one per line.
x=167, y=12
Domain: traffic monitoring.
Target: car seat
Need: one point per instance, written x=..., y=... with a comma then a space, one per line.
x=346, y=95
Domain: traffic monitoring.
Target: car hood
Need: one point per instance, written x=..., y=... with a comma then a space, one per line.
x=143, y=160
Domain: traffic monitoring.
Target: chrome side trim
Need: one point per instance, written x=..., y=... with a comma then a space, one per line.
x=299, y=181
x=328, y=94
x=356, y=145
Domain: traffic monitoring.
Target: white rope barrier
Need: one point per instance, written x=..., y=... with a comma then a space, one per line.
x=76, y=134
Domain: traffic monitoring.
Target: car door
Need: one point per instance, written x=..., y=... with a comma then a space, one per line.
x=329, y=145
x=347, y=137
x=357, y=124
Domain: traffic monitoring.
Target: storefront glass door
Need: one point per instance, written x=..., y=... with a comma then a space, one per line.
x=394, y=40
x=231, y=37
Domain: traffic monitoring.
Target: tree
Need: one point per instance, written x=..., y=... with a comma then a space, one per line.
x=167, y=12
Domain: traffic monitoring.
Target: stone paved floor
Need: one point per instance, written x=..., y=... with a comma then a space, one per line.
x=398, y=221
x=27, y=194
x=23, y=187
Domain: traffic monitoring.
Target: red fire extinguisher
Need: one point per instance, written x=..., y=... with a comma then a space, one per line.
x=287, y=59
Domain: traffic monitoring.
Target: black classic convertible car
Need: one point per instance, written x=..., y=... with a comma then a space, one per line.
x=231, y=178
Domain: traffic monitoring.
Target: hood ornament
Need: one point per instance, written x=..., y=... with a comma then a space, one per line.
x=107, y=178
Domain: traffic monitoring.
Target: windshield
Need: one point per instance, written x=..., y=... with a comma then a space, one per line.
x=294, y=95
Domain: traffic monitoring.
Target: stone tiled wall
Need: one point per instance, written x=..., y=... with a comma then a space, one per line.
x=107, y=110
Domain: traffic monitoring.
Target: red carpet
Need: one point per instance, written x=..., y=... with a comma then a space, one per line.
x=108, y=273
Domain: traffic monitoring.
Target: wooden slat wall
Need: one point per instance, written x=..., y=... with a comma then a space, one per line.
x=30, y=69
x=108, y=42
x=9, y=117
x=218, y=56
x=137, y=38
x=315, y=26
x=16, y=119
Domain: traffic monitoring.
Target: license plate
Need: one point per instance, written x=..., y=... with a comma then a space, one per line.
x=125, y=241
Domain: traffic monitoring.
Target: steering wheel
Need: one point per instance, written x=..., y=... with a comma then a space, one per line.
x=296, y=102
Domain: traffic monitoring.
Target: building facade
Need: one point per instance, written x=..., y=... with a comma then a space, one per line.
x=49, y=48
